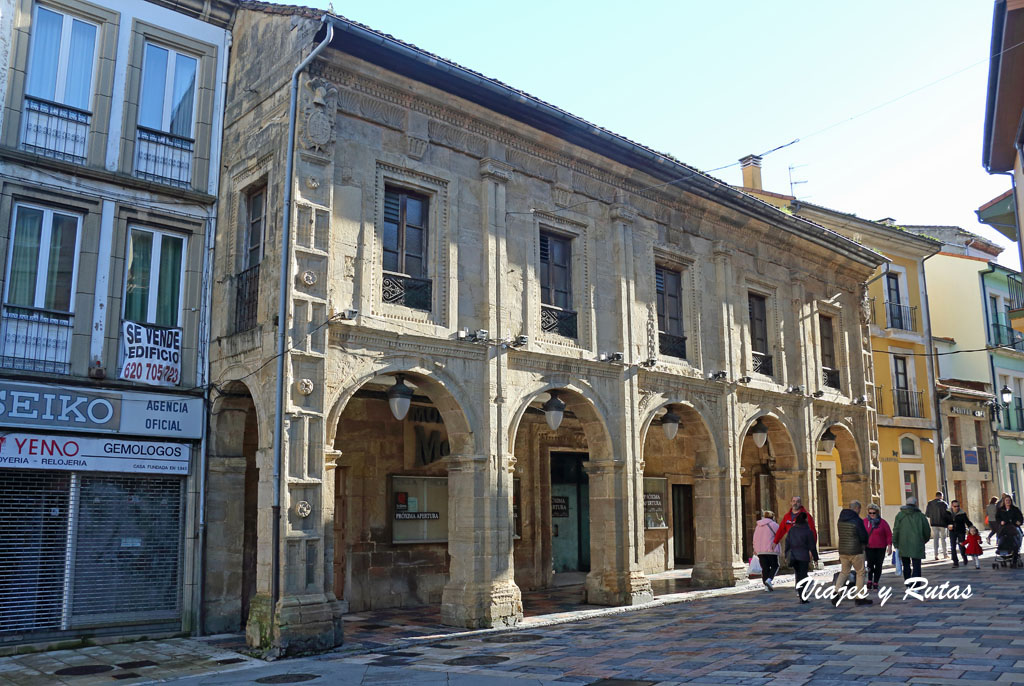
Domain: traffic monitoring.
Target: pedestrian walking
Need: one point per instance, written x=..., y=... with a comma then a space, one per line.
x=958, y=532
x=991, y=512
x=879, y=544
x=1009, y=517
x=973, y=547
x=936, y=513
x=853, y=537
x=766, y=549
x=801, y=548
x=796, y=506
x=910, y=531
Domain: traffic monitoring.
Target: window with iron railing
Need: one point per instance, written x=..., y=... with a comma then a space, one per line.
x=1002, y=334
x=956, y=458
x=58, y=86
x=757, y=313
x=1016, y=289
x=1017, y=410
x=164, y=144
x=668, y=289
x=556, y=313
x=247, y=285
x=404, y=250
x=898, y=316
x=983, y=465
x=907, y=403
x=829, y=373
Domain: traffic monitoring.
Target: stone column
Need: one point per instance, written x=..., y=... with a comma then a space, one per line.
x=855, y=487
x=480, y=592
x=717, y=563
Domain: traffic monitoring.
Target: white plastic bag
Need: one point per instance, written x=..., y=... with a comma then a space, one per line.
x=897, y=563
x=755, y=566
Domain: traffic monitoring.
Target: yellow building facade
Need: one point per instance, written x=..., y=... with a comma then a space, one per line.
x=903, y=374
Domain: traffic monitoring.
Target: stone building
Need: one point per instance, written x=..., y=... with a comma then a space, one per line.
x=109, y=163
x=603, y=361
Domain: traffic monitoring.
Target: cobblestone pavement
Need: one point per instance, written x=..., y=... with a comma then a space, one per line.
x=751, y=637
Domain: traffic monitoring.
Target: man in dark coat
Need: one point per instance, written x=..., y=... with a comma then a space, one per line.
x=936, y=512
x=853, y=536
x=958, y=531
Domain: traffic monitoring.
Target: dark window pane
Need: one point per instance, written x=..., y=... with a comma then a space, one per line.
x=413, y=211
x=413, y=242
x=414, y=266
x=758, y=323
x=827, y=342
x=390, y=261
x=389, y=236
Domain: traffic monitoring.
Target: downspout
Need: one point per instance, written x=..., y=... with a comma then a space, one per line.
x=282, y=316
x=991, y=367
x=211, y=244
x=931, y=364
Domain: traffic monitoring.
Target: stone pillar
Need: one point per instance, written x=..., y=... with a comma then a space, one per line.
x=717, y=563
x=615, y=577
x=480, y=592
x=855, y=487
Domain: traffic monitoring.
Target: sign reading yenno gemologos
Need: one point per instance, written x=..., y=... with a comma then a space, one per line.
x=150, y=354
x=86, y=453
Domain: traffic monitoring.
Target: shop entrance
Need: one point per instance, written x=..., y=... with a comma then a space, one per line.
x=570, y=513
x=682, y=524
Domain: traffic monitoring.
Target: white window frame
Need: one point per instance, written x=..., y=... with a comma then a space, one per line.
x=165, y=116
x=917, y=446
x=63, y=54
x=921, y=484
x=45, y=236
x=154, y=273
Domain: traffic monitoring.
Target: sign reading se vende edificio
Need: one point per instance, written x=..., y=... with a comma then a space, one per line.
x=150, y=354
x=89, y=454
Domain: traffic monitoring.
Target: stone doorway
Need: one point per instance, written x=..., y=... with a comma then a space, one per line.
x=683, y=534
x=570, y=513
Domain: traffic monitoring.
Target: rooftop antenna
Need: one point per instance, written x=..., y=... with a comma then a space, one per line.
x=793, y=184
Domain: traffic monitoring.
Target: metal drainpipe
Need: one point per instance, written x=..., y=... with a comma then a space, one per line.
x=282, y=316
x=933, y=374
x=992, y=370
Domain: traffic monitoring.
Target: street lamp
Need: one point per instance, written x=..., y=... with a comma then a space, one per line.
x=1006, y=395
x=554, y=410
x=827, y=441
x=670, y=423
x=759, y=433
x=399, y=397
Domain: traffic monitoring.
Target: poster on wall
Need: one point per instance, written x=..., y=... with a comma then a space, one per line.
x=150, y=354
x=655, y=491
x=971, y=456
x=559, y=506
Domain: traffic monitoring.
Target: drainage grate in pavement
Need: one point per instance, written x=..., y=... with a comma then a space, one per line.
x=125, y=675
x=135, y=664
x=477, y=660
x=622, y=682
x=230, y=661
x=512, y=638
x=293, y=678
x=84, y=670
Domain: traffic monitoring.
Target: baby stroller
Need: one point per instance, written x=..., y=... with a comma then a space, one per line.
x=1008, y=548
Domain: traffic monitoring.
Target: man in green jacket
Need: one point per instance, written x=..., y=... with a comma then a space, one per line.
x=910, y=531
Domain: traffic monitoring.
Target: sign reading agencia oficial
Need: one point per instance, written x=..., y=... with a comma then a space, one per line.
x=120, y=412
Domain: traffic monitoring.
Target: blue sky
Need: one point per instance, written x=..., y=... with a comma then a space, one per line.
x=709, y=82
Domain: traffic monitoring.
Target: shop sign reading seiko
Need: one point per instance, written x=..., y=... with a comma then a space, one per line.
x=121, y=412
x=90, y=454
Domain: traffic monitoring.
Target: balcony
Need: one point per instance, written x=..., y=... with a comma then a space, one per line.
x=559, y=321
x=33, y=339
x=903, y=317
x=830, y=378
x=246, y=298
x=956, y=458
x=907, y=403
x=399, y=289
x=163, y=158
x=763, y=364
x=672, y=346
x=1016, y=304
x=55, y=130
x=1006, y=337
x=1015, y=416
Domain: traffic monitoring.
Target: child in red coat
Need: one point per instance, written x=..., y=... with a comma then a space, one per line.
x=974, y=546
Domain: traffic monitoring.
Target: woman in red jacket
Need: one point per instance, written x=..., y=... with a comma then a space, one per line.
x=879, y=544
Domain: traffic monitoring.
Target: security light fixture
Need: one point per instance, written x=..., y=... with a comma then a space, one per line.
x=399, y=397
x=717, y=376
x=827, y=441
x=759, y=433
x=1006, y=395
x=744, y=379
x=462, y=334
x=610, y=357
x=818, y=394
x=348, y=315
x=670, y=423
x=520, y=341
x=480, y=335
x=795, y=390
x=649, y=362
x=554, y=410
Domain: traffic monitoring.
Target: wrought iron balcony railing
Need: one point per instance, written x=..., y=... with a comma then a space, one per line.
x=763, y=364
x=35, y=339
x=55, y=130
x=673, y=346
x=1005, y=336
x=163, y=157
x=907, y=403
x=1017, y=414
x=830, y=377
x=900, y=316
x=983, y=465
x=398, y=289
x=1016, y=288
x=247, y=288
x=956, y=458
x=555, y=320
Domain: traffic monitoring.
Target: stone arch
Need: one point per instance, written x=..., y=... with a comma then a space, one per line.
x=445, y=392
x=694, y=422
x=780, y=439
x=581, y=400
x=770, y=475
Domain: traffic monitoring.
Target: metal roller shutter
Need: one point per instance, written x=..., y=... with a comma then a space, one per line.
x=34, y=509
x=127, y=550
